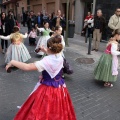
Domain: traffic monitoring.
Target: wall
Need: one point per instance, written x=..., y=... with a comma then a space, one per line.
x=79, y=15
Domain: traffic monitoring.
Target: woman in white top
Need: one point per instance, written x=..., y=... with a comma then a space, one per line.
x=107, y=67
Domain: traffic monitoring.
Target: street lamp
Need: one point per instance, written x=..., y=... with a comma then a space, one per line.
x=67, y=11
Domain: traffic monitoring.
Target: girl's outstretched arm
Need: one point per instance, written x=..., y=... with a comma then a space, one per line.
x=22, y=66
x=5, y=37
x=24, y=36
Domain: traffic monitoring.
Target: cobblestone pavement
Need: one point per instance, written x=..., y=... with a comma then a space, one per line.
x=91, y=100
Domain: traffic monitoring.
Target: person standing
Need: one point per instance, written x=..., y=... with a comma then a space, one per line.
x=50, y=21
x=107, y=67
x=31, y=21
x=51, y=100
x=11, y=22
x=24, y=18
x=39, y=20
x=3, y=31
x=99, y=26
x=114, y=22
x=59, y=21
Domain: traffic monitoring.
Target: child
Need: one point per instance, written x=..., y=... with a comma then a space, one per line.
x=43, y=39
x=107, y=68
x=58, y=31
x=51, y=99
x=32, y=37
x=66, y=66
x=16, y=50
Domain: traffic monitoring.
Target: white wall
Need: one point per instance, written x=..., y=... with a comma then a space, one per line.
x=79, y=15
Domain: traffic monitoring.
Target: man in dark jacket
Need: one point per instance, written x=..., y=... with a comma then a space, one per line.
x=31, y=21
x=59, y=20
x=39, y=20
x=99, y=26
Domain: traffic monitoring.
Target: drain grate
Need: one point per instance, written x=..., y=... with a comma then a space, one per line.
x=85, y=60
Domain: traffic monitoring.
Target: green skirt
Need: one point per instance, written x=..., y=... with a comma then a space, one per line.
x=103, y=70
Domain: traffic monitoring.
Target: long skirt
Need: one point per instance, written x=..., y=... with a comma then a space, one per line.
x=17, y=52
x=42, y=42
x=47, y=103
x=103, y=70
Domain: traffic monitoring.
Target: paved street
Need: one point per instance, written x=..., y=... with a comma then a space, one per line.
x=91, y=100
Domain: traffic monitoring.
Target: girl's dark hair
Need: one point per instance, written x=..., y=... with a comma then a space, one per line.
x=2, y=14
x=54, y=44
x=45, y=22
x=16, y=29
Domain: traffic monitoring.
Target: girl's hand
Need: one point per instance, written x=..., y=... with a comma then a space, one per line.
x=43, y=49
x=8, y=66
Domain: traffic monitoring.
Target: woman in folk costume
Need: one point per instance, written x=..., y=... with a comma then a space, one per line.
x=16, y=50
x=107, y=68
x=43, y=39
x=51, y=100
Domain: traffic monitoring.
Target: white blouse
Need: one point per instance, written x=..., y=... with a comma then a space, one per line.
x=114, y=49
x=9, y=36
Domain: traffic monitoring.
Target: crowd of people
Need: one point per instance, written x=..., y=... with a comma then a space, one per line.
x=30, y=19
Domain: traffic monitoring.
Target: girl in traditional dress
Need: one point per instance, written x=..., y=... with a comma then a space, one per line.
x=32, y=37
x=107, y=68
x=43, y=39
x=58, y=32
x=51, y=99
x=16, y=50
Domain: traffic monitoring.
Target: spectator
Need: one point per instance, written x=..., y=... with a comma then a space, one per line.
x=90, y=25
x=24, y=18
x=45, y=17
x=114, y=22
x=39, y=20
x=89, y=16
x=11, y=22
x=3, y=31
x=50, y=21
x=99, y=26
x=31, y=21
x=59, y=21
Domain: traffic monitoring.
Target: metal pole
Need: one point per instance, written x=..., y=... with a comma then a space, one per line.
x=94, y=4
x=86, y=35
x=89, y=45
x=67, y=10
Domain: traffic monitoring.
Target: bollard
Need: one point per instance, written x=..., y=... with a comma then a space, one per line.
x=89, y=45
x=86, y=36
